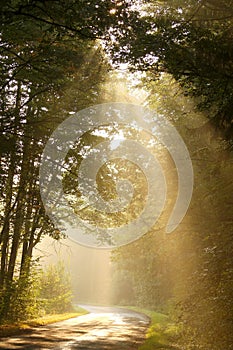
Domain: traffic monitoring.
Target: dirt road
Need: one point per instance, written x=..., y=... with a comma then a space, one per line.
x=104, y=328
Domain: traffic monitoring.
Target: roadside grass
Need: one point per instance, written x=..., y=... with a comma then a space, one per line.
x=7, y=330
x=162, y=332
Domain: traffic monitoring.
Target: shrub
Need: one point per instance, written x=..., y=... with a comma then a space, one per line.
x=55, y=289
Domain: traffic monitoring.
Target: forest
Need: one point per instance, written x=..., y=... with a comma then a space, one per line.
x=173, y=57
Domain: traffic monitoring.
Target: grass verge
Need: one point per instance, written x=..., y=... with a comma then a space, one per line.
x=162, y=332
x=7, y=330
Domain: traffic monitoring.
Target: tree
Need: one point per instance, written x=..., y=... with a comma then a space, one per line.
x=45, y=69
x=193, y=42
x=189, y=272
x=55, y=289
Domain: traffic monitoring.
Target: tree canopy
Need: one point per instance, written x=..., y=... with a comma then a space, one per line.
x=55, y=58
x=193, y=42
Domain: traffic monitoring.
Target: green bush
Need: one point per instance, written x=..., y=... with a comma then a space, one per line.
x=55, y=289
x=20, y=300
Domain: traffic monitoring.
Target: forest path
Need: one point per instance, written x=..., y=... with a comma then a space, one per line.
x=104, y=328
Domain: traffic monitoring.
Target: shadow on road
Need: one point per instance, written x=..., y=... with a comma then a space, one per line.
x=102, y=329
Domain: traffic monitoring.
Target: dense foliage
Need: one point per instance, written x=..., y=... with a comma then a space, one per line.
x=52, y=64
x=55, y=289
x=47, y=71
x=43, y=291
x=189, y=272
x=192, y=41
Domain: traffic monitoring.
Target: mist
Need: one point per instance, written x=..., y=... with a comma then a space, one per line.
x=89, y=269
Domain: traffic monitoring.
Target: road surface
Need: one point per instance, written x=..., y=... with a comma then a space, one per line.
x=104, y=328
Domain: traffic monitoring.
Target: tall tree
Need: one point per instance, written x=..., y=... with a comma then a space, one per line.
x=46, y=64
x=189, y=271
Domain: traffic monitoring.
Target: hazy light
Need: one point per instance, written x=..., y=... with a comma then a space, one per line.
x=113, y=11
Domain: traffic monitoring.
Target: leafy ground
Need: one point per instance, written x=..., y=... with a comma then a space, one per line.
x=20, y=327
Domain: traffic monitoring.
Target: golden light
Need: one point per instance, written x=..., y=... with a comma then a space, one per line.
x=113, y=11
